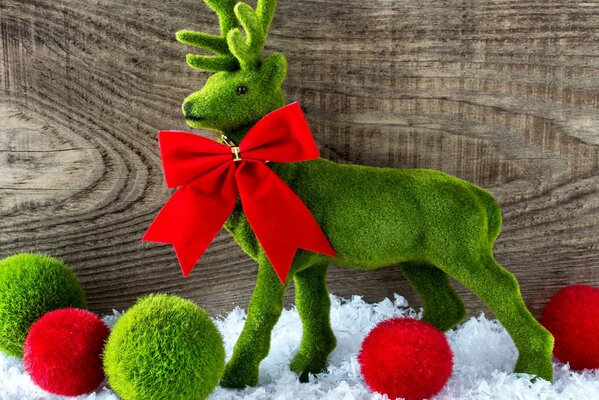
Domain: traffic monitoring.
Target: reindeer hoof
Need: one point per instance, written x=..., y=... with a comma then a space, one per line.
x=540, y=366
x=238, y=377
x=305, y=365
x=538, y=363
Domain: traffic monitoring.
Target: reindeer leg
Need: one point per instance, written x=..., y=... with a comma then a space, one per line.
x=443, y=308
x=499, y=290
x=253, y=344
x=314, y=307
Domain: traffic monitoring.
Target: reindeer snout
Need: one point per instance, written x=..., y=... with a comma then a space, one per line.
x=188, y=112
x=187, y=108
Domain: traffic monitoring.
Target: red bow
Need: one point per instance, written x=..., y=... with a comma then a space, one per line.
x=211, y=176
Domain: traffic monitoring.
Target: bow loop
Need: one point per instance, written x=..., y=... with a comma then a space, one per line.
x=185, y=156
x=281, y=136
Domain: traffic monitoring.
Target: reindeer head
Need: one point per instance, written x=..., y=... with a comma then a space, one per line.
x=244, y=87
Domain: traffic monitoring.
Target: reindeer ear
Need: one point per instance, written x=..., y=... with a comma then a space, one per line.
x=275, y=69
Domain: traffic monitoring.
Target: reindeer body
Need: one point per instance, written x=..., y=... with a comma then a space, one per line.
x=402, y=213
x=437, y=226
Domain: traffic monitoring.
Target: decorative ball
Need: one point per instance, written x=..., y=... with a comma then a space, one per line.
x=30, y=286
x=164, y=347
x=572, y=317
x=407, y=358
x=63, y=351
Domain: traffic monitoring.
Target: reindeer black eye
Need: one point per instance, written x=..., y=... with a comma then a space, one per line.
x=242, y=89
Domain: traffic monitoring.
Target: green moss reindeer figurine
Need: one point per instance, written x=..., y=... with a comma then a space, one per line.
x=437, y=226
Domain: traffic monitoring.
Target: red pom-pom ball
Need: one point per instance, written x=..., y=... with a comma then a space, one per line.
x=572, y=316
x=404, y=357
x=62, y=351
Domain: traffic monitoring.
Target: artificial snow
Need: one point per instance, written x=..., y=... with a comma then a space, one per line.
x=484, y=357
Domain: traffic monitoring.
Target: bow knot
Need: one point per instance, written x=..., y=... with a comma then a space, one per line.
x=209, y=181
x=236, y=153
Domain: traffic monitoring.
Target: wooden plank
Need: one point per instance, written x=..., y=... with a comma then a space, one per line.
x=502, y=93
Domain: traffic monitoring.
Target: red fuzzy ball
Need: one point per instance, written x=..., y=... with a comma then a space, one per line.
x=62, y=351
x=572, y=316
x=404, y=357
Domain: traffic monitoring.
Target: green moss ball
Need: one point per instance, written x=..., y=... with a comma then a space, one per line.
x=164, y=347
x=30, y=286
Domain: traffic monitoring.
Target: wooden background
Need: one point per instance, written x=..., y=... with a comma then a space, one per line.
x=502, y=93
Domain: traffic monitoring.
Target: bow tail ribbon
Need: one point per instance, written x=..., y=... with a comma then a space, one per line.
x=281, y=221
x=194, y=215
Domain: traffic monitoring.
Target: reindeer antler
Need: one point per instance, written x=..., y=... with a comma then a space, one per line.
x=256, y=24
x=223, y=60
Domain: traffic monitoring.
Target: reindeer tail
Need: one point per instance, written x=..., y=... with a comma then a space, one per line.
x=493, y=213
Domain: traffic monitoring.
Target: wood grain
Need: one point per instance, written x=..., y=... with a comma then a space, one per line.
x=502, y=93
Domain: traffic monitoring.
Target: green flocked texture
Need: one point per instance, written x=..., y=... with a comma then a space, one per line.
x=164, y=347
x=434, y=224
x=30, y=286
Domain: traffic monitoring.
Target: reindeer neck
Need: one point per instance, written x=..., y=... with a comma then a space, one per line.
x=237, y=224
x=237, y=134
